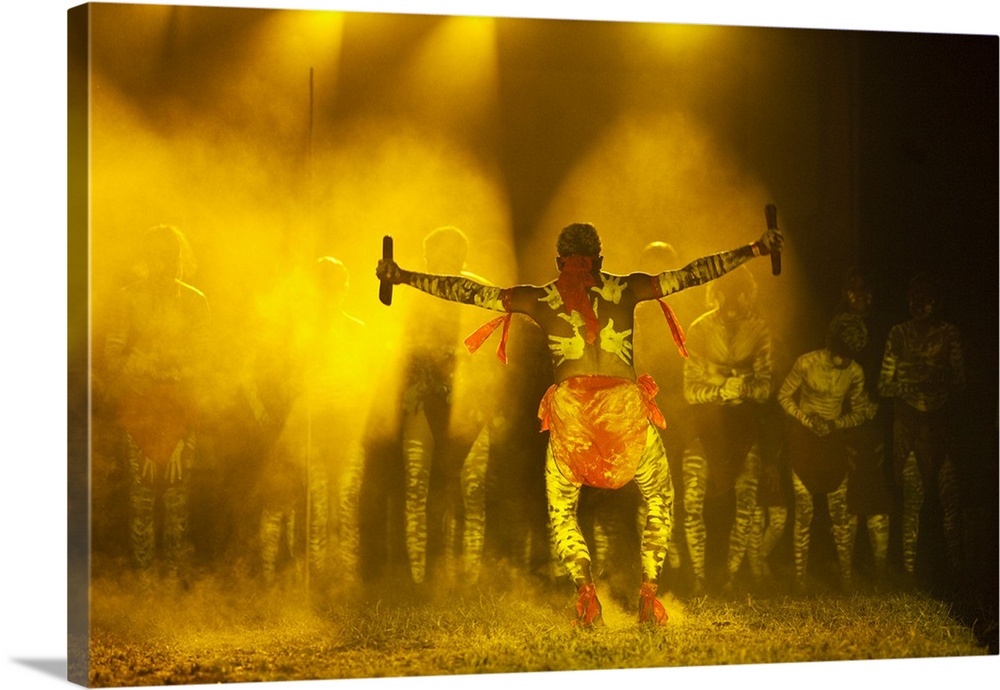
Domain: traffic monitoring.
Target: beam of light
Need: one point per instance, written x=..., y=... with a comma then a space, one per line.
x=422, y=160
x=675, y=66
x=452, y=78
x=676, y=150
x=672, y=184
x=287, y=47
x=216, y=143
x=675, y=40
x=224, y=142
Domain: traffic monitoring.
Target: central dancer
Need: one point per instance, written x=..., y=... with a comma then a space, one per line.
x=600, y=416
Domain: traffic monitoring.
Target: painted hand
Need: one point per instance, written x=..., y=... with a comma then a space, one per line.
x=566, y=348
x=732, y=389
x=617, y=343
x=611, y=289
x=819, y=426
x=175, y=468
x=389, y=270
x=770, y=241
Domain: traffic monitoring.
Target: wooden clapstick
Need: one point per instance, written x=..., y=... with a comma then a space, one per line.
x=771, y=214
x=385, y=287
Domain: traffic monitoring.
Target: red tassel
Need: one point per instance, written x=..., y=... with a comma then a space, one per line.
x=588, y=608
x=475, y=341
x=649, y=390
x=675, y=327
x=651, y=610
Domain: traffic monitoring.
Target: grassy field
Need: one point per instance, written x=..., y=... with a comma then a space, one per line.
x=226, y=632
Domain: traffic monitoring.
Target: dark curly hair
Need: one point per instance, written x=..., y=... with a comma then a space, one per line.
x=579, y=239
x=847, y=335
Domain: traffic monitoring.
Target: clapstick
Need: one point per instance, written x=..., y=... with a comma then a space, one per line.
x=771, y=214
x=385, y=287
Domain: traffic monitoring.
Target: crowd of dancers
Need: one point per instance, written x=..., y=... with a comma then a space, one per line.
x=703, y=461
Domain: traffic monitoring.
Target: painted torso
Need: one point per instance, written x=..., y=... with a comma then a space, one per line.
x=611, y=352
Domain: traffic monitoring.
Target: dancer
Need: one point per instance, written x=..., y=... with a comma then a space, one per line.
x=868, y=488
x=308, y=386
x=922, y=371
x=602, y=419
x=658, y=355
x=825, y=394
x=155, y=352
x=727, y=379
x=774, y=490
x=445, y=428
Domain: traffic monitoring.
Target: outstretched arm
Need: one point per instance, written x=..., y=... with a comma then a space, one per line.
x=705, y=269
x=454, y=288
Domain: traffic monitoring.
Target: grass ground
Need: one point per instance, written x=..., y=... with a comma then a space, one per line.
x=217, y=631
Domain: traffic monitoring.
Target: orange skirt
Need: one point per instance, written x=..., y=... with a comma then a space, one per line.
x=597, y=427
x=158, y=420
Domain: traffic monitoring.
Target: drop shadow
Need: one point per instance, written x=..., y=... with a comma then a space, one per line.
x=51, y=667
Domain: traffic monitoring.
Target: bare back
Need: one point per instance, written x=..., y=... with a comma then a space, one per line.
x=613, y=298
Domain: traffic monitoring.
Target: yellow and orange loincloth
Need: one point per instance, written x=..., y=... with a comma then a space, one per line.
x=158, y=419
x=597, y=427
